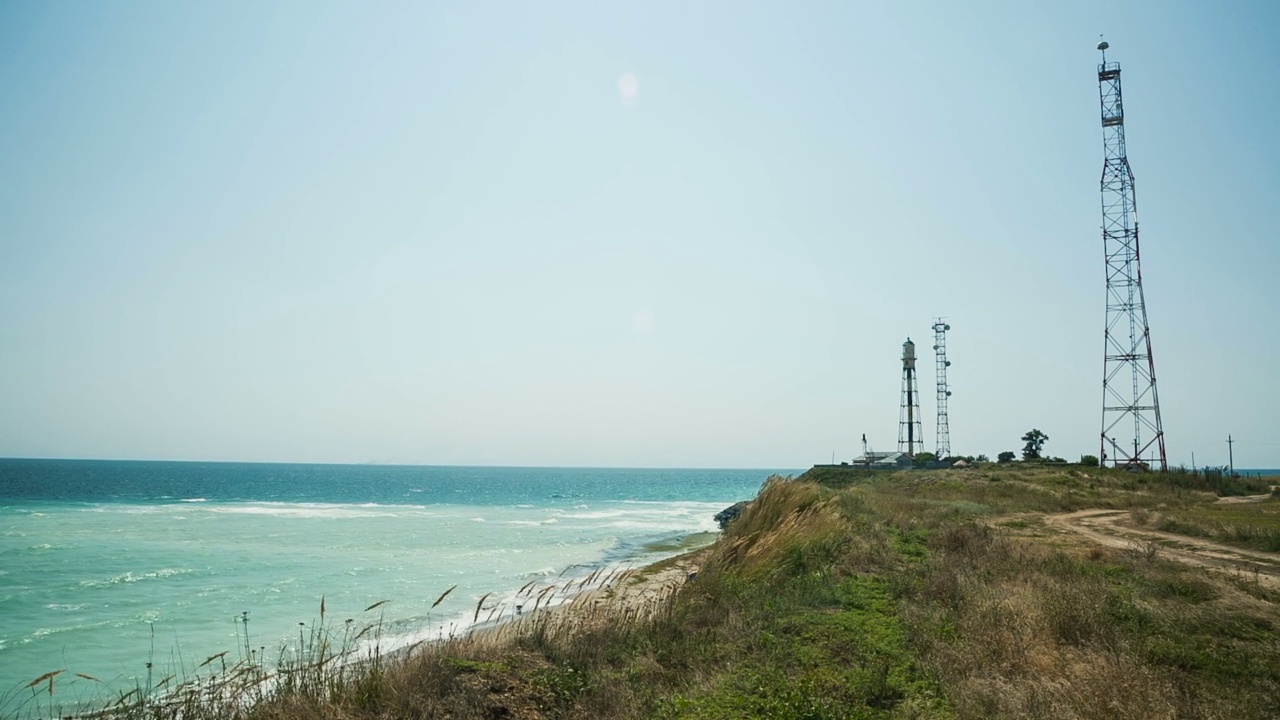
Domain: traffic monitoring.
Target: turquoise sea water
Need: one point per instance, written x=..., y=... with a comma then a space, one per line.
x=106, y=566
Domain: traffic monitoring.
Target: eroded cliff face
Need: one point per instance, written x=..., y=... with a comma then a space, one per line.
x=725, y=516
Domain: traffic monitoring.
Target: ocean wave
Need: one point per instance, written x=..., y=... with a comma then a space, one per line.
x=40, y=547
x=687, y=504
x=47, y=631
x=304, y=510
x=707, y=525
x=130, y=577
x=148, y=617
x=194, y=500
x=128, y=509
x=597, y=515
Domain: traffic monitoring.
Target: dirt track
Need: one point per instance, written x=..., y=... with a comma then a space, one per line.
x=1104, y=527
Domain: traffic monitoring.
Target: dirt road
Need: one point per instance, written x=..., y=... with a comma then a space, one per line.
x=1105, y=528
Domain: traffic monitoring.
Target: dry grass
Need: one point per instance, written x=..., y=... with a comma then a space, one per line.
x=1025, y=630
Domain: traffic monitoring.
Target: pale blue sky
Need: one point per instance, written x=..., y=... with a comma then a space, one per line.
x=425, y=233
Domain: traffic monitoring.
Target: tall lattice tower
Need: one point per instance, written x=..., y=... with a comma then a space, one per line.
x=943, y=439
x=1131, y=428
x=910, y=426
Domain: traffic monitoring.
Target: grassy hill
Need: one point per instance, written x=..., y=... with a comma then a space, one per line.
x=915, y=594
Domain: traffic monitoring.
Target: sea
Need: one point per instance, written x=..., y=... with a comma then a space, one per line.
x=122, y=573
x=1259, y=472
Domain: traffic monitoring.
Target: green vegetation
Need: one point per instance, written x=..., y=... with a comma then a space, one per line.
x=851, y=593
x=1248, y=525
x=922, y=459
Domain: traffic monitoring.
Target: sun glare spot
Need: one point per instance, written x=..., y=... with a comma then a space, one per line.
x=628, y=89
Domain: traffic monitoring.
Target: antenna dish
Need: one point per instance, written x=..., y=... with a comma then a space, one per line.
x=1103, y=45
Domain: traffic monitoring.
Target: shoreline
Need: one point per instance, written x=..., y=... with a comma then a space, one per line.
x=636, y=594
x=607, y=592
x=617, y=586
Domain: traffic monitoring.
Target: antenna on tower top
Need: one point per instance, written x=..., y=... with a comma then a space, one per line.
x=1103, y=47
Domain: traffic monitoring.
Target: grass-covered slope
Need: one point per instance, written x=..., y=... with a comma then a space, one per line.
x=918, y=594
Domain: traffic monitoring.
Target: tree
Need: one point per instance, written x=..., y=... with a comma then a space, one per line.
x=1034, y=440
x=923, y=458
x=1089, y=460
x=1006, y=457
x=982, y=458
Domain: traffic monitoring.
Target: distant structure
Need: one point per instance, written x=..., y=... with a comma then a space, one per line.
x=872, y=460
x=1132, y=434
x=943, y=439
x=882, y=461
x=910, y=427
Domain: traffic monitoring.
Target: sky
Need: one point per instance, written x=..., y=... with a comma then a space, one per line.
x=621, y=234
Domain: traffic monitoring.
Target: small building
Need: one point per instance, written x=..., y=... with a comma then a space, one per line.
x=883, y=461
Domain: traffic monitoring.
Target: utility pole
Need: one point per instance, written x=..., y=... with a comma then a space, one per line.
x=1231, y=456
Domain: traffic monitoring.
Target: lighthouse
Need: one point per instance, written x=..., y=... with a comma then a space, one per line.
x=910, y=425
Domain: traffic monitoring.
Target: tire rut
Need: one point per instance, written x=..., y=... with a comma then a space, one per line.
x=1102, y=526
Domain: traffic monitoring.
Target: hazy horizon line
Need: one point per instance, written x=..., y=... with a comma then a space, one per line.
x=390, y=464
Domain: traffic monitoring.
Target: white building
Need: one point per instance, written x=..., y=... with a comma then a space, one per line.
x=883, y=460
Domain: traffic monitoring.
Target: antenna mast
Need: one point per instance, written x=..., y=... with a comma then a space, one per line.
x=943, y=439
x=1131, y=426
